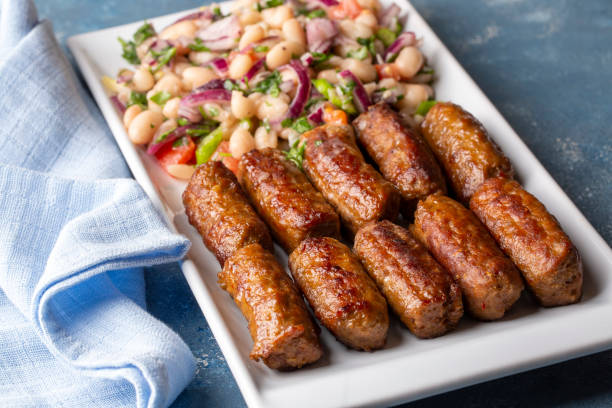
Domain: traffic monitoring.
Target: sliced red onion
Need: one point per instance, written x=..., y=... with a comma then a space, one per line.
x=254, y=69
x=157, y=145
x=389, y=14
x=320, y=33
x=360, y=96
x=118, y=104
x=209, y=95
x=328, y=3
x=192, y=114
x=222, y=34
x=204, y=15
x=316, y=116
x=212, y=84
x=220, y=65
x=302, y=92
x=307, y=59
x=125, y=76
x=406, y=39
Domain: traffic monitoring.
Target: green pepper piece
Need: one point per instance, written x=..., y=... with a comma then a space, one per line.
x=207, y=146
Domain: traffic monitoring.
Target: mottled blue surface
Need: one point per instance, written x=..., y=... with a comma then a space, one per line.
x=547, y=66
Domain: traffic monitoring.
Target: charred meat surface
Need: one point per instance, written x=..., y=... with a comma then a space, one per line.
x=283, y=332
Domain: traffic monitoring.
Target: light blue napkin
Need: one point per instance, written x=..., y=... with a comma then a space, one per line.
x=74, y=234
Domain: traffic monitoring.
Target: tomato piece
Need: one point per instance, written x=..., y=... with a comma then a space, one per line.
x=351, y=8
x=334, y=116
x=336, y=12
x=387, y=71
x=180, y=152
x=223, y=154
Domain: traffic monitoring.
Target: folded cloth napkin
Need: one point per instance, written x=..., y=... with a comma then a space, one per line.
x=75, y=234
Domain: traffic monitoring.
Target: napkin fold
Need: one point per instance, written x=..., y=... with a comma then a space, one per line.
x=75, y=235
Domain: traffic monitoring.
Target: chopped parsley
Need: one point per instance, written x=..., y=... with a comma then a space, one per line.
x=296, y=153
x=231, y=85
x=182, y=122
x=161, y=97
x=217, y=12
x=183, y=141
x=270, y=84
x=129, y=47
x=266, y=124
x=360, y=54
x=163, y=57
x=316, y=13
x=318, y=143
x=198, y=46
x=261, y=48
x=138, y=98
x=163, y=136
x=269, y=4
x=203, y=129
x=368, y=43
x=300, y=124
x=426, y=70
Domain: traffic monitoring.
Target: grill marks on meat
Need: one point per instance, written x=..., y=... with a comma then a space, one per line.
x=283, y=332
x=532, y=238
x=285, y=199
x=420, y=291
x=489, y=281
x=340, y=292
x=219, y=210
x=402, y=156
x=461, y=144
x=336, y=167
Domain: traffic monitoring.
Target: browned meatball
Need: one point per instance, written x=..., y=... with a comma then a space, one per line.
x=285, y=199
x=336, y=167
x=402, y=156
x=219, y=210
x=421, y=292
x=532, y=237
x=283, y=332
x=489, y=281
x=340, y=292
x=464, y=149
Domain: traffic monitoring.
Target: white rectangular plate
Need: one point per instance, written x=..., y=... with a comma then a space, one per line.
x=408, y=368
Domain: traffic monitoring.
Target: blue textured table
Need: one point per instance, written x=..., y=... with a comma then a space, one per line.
x=547, y=66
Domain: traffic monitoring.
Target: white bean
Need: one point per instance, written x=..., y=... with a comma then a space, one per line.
x=272, y=108
x=194, y=77
x=370, y=88
x=239, y=66
x=276, y=16
x=143, y=80
x=292, y=30
x=185, y=28
x=242, y=107
x=387, y=83
x=252, y=33
x=249, y=16
x=130, y=114
x=169, y=83
x=355, y=30
x=369, y=4
x=180, y=67
x=409, y=62
x=361, y=69
x=367, y=18
x=282, y=52
x=330, y=75
x=181, y=171
x=241, y=142
x=152, y=106
x=414, y=94
x=171, y=108
x=201, y=57
x=143, y=126
x=264, y=139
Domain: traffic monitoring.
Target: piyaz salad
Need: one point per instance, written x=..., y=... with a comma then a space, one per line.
x=212, y=86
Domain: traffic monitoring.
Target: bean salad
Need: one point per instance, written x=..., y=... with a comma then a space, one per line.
x=214, y=85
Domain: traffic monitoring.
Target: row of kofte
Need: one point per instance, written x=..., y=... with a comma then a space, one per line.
x=449, y=256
